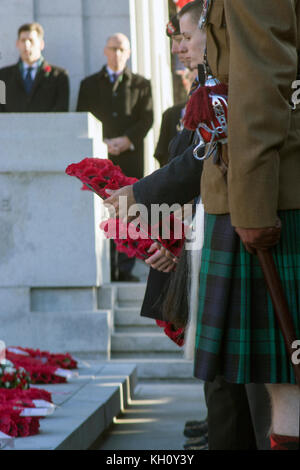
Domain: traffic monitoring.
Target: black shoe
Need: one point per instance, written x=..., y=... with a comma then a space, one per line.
x=195, y=447
x=127, y=277
x=192, y=424
x=196, y=442
x=195, y=428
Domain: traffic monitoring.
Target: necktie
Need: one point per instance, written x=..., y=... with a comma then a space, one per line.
x=114, y=77
x=28, y=82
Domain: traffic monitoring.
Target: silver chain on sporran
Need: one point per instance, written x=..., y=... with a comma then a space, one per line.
x=204, y=150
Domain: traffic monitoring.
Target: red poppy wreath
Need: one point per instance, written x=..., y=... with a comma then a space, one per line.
x=98, y=175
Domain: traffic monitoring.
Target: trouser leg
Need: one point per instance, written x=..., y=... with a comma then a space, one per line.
x=119, y=262
x=260, y=409
x=229, y=418
x=114, y=270
x=125, y=264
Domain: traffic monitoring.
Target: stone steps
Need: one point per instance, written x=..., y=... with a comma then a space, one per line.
x=86, y=407
x=138, y=340
x=135, y=329
x=142, y=342
x=159, y=367
x=130, y=316
x=130, y=294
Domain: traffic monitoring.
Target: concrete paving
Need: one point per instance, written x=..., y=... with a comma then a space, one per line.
x=155, y=418
x=100, y=410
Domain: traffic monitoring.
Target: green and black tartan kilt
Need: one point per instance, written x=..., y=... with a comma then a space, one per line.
x=237, y=333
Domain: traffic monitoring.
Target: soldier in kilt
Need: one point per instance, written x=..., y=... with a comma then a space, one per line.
x=253, y=47
x=255, y=206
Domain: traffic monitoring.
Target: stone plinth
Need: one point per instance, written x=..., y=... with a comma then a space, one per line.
x=53, y=255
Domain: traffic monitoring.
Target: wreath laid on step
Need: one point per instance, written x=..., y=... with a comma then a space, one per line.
x=22, y=406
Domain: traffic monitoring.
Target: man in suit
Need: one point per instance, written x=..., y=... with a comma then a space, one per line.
x=33, y=85
x=122, y=101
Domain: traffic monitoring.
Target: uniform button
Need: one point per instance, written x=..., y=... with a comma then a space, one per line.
x=115, y=114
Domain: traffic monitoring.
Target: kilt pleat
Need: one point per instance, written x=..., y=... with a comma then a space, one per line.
x=237, y=333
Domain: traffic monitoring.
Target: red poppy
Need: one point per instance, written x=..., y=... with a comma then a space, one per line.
x=65, y=361
x=102, y=174
x=176, y=335
x=12, y=424
x=180, y=3
x=37, y=370
x=47, y=69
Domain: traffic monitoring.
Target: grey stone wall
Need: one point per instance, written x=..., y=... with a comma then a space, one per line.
x=53, y=256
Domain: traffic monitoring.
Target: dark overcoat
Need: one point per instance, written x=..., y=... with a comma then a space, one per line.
x=168, y=129
x=125, y=109
x=50, y=91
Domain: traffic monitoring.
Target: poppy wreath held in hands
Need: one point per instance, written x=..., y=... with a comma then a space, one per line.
x=98, y=175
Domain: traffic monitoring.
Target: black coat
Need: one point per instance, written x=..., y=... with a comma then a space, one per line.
x=177, y=182
x=182, y=179
x=50, y=91
x=168, y=129
x=125, y=109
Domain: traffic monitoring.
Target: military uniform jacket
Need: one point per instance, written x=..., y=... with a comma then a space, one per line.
x=124, y=108
x=50, y=90
x=252, y=45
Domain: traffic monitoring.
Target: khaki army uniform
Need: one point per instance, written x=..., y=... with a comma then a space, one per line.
x=252, y=45
x=264, y=131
